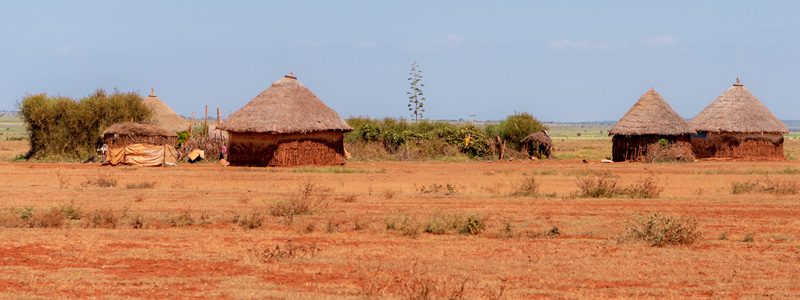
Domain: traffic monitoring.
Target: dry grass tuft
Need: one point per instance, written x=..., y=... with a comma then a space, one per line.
x=662, y=230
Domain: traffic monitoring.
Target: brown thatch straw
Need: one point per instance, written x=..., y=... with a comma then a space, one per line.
x=138, y=129
x=285, y=107
x=737, y=110
x=538, y=142
x=651, y=115
x=163, y=115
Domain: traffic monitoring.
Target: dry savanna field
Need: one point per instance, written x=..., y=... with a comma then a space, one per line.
x=402, y=230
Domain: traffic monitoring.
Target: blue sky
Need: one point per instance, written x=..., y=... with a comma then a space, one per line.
x=560, y=61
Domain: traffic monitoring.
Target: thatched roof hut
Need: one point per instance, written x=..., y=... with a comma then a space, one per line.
x=651, y=115
x=163, y=115
x=737, y=125
x=139, y=144
x=285, y=125
x=737, y=110
x=538, y=143
x=285, y=107
x=648, y=121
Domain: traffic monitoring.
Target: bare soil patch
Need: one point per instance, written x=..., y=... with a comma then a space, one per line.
x=191, y=235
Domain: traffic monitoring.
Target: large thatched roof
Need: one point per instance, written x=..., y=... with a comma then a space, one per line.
x=163, y=116
x=651, y=115
x=130, y=128
x=285, y=107
x=737, y=110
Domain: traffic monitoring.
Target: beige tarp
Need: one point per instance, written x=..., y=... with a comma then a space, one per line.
x=142, y=155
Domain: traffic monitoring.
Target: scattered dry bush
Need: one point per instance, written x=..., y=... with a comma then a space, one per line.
x=778, y=187
x=528, y=187
x=598, y=187
x=553, y=232
x=445, y=223
x=141, y=185
x=661, y=230
x=309, y=198
x=605, y=186
x=669, y=153
x=447, y=189
x=102, y=179
x=389, y=194
x=347, y=199
x=252, y=220
x=46, y=218
x=102, y=218
x=287, y=251
x=406, y=224
x=183, y=219
x=644, y=188
x=63, y=179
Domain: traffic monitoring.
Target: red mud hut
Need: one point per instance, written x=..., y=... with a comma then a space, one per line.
x=163, y=115
x=648, y=121
x=737, y=125
x=285, y=125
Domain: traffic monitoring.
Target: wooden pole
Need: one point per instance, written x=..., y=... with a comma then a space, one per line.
x=205, y=125
x=191, y=126
x=217, y=116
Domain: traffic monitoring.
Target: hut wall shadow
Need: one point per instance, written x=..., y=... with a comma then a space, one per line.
x=262, y=149
x=634, y=148
x=737, y=145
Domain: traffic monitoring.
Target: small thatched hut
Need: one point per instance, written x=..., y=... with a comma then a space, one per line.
x=286, y=125
x=737, y=125
x=139, y=145
x=648, y=121
x=163, y=115
x=538, y=143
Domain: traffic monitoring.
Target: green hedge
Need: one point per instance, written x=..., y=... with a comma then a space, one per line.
x=65, y=129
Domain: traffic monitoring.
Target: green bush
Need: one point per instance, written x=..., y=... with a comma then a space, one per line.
x=61, y=127
x=427, y=139
x=518, y=126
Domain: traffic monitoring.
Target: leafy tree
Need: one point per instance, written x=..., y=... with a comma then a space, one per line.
x=415, y=99
x=516, y=127
x=62, y=128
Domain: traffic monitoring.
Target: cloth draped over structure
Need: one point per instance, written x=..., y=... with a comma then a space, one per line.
x=142, y=155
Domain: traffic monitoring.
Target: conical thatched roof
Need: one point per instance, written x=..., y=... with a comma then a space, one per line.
x=163, y=116
x=737, y=110
x=137, y=129
x=285, y=107
x=651, y=115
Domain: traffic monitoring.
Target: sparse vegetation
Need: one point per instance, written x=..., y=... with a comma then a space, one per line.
x=660, y=230
x=141, y=185
x=769, y=186
x=287, y=251
x=528, y=187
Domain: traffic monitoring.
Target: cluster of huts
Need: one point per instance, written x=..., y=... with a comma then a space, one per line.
x=287, y=125
x=735, y=125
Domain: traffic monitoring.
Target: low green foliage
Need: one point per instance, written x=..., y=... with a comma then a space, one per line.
x=518, y=126
x=62, y=128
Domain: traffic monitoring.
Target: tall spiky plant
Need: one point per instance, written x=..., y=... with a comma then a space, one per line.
x=415, y=99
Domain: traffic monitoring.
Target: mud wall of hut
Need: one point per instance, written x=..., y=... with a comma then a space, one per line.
x=259, y=149
x=634, y=148
x=737, y=145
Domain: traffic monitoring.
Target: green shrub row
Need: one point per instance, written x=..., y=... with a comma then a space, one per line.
x=63, y=128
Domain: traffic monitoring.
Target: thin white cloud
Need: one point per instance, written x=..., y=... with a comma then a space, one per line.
x=660, y=41
x=584, y=46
